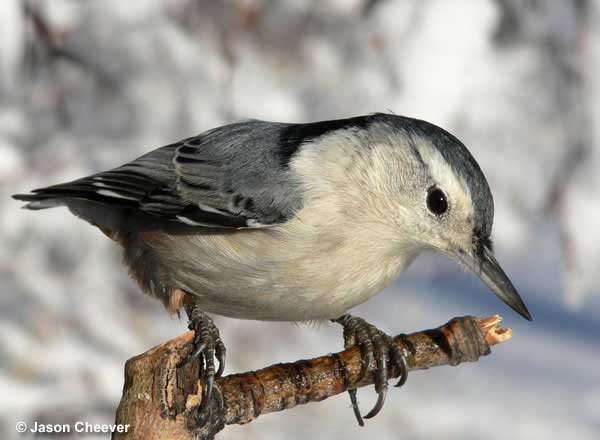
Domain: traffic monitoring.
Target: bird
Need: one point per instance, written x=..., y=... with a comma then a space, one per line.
x=297, y=222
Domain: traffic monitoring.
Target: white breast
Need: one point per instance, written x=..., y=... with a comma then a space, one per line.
x=337, y=252
x=293, y=273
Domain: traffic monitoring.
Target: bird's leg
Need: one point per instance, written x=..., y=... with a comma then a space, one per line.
x=374, y=345
x=207, y=346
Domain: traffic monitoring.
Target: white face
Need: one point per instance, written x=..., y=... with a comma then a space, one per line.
x=400, y=196
x=418, y=196
x=446, y=207
x=437, y=211
x=385, y=188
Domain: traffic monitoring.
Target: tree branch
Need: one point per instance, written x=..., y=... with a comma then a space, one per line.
x=161, y=400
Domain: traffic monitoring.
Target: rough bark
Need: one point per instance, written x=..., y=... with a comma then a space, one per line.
x=160, y=400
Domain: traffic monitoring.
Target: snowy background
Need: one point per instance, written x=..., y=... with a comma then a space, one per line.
x=88, y=85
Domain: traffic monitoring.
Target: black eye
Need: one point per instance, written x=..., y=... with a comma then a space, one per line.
x=436, y=201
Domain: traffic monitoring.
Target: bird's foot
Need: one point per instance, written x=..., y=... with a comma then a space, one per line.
x=376, y=346
x=207, y=347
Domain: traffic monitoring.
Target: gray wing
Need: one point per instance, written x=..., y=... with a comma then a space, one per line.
x=229, y=177
x=239, y=170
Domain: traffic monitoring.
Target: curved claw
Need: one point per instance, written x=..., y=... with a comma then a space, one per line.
x=221, y=360
x=378, y=405
x=403, y=364
x=355, y=408
x=194, y=354
x=376, y=347
x=208, y=388
x=381, y=375
x=207, y=347
x=221, y=356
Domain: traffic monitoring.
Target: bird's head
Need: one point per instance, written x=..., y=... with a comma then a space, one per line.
x=438, y=196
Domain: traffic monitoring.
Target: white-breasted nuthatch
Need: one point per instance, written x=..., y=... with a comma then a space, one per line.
x=292, y=222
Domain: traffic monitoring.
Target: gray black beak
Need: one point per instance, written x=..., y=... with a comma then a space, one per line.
x=482, y=262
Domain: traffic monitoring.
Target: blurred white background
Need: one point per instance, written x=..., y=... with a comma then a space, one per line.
x=88, y=85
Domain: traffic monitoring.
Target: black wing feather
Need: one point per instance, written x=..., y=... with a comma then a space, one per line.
x=229, y=177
